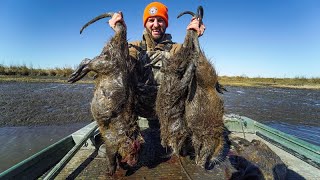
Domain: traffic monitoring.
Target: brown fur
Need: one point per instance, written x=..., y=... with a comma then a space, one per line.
x=113, y=101
x=171, y=99
x=204, y=108
x=188, y=104
x=255, y=159
x=204, y=116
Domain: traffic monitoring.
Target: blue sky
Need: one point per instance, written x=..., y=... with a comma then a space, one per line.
x=261, y=38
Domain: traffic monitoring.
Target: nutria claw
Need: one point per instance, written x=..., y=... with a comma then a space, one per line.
x=220, y=88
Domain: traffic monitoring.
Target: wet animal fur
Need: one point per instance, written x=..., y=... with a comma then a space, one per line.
x=255, y=160
x=171, y=97
x=204, y=107
x=204, y=116
x=188, y=104
x=113, y=101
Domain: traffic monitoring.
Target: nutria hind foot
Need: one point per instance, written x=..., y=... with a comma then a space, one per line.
x=81, y=71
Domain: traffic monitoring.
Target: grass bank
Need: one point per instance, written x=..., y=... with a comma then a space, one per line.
x=60, y=75
x=298, y=82
x=30, y=74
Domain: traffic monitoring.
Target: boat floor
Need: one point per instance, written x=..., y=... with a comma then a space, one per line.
x=93, y=167
x=88, y=164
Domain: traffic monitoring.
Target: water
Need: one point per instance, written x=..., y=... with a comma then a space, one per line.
x=307, y=133
x=18, y=143
x=293, y=111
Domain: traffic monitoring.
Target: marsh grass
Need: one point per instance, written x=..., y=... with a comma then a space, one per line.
x=29, y=71
x=29, y=74
x=297, y=82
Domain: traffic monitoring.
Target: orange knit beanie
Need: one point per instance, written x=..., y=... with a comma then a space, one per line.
x=155, y=9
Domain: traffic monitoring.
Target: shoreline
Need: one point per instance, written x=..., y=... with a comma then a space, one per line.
x=292, y=83
x=266, y=85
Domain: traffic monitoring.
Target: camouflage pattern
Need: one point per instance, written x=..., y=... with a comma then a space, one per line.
x=144, y=52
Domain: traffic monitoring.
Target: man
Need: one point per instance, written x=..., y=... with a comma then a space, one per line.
x=155, y=46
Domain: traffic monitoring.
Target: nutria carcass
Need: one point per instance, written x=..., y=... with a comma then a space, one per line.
x=204, y=108
x=255, y=160
x=113, y=103
x=188, y=105
x=177, y=73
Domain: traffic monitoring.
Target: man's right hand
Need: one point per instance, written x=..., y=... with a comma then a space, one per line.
x=116, y=18
x=195, y=25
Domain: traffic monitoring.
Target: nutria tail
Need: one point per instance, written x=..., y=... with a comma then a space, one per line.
x=192, y=35
x=96, y=19
x=221, y=152
x=199, y=14
x=110, y=14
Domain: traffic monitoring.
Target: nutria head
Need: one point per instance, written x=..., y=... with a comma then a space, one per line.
x=129, y=150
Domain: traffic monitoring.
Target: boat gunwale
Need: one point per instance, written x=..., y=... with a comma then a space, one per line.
x=309, y=153
x=52, y=155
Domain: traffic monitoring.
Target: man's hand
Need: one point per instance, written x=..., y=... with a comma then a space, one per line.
x=194, y=25
x=117, y=17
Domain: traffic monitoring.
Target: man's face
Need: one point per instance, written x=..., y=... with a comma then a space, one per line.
x=157, y=26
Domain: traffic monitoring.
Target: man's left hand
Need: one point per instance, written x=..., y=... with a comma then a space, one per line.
x=194, y=25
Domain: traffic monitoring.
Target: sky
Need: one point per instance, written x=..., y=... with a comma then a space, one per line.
x=253, y=38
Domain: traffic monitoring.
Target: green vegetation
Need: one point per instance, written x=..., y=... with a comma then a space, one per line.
x=29, y=74
x=298, y=82
x=26, y=71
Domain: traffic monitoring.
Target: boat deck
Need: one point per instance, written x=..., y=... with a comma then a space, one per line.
x=88, y=164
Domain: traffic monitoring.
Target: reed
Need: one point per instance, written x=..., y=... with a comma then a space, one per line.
x=25, y=71
x=30, y=74
x=297, y=82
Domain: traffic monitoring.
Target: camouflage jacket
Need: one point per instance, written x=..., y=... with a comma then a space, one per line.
x=149, y=77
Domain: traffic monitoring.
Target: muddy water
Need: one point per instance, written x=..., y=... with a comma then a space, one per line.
x=35, y=115
x=267, y=105
x=18, y=143
x=293, y=111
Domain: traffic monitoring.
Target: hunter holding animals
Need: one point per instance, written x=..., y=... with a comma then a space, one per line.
x=127, y=81
x=157, y=78
x=155, y=47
